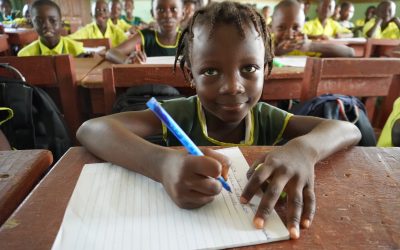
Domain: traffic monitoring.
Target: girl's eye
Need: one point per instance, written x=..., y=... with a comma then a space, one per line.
x=174, y=9
x=210, y=72
x=249, y=69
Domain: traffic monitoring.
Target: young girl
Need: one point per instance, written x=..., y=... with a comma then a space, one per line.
x=160, y=42
x=115, y=17
x=287, y=24
x=101, y=27
x=385, y=25
x=224, y=53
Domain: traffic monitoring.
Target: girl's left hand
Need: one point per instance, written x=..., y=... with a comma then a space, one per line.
x=289, y=168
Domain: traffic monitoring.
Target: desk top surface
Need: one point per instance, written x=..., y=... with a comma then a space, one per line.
x=20, y=170
x=357, y=191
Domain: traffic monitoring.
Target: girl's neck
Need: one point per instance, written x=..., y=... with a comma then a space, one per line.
x=167, y=38
x=129, y=16
x=114, y=20
x=323, y=21
x=50, y=43
x=225, y=132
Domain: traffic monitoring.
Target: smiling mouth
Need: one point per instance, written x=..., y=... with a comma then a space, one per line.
x=232, y=106
x=48, y=33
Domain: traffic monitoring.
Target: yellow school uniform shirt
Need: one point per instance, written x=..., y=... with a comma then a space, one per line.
x=92, y=31
x=122, y=24
x=360, y=22
x=391, y=31
x=315, y=28
x=385, y=140
x=65, y=46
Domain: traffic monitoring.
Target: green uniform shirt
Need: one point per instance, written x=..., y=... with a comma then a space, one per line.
x=136, y=21
x=152, y=45
x=264, y=125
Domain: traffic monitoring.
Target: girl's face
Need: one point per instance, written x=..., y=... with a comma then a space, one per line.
x=168, y=14
x=101, y=13
x=115, y=10
x=228, y=70
x=47, y=22
x=287, y=23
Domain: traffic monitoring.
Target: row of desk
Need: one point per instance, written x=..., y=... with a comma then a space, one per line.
x=16, y=37
x=357, y=193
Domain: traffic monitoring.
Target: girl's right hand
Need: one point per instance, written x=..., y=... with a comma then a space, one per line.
x=191, y=181
x=137, y=57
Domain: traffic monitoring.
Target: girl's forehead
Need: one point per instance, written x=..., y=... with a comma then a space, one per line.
x=167, y=2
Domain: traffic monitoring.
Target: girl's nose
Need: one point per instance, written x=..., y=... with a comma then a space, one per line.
x=232, y=86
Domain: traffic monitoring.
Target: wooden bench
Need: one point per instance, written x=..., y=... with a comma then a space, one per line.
x=55, y=74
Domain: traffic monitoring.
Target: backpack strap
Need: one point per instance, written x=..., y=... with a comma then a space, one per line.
x=342, y=111
x=8, y=116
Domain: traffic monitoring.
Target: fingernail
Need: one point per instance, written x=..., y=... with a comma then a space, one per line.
x=243, y=200
x=294, y=233
x=259, y=223
x=306, y=223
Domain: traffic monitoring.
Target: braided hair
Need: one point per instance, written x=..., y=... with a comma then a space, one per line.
x=228, y=13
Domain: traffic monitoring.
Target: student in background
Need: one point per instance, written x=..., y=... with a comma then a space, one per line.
x=385, y=24
x=287, y=25
x=369, y=14
x=6, y=11
x=323, y=27
x=24, y=21
x=266, y=13
x=115, y=17
x=336, y=13
x=46, y=18
x=101, y=27
x=224, y=58
x=160, y=42
x=346, y=14
x=189, y=7
x=390, y=136
x=135, y=21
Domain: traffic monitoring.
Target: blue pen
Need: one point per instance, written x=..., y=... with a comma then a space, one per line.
x=179, y=133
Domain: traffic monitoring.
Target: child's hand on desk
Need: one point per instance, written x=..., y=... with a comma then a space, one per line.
x=187, y=178
x=290, y=169
x=299, y=42
x=137, y=57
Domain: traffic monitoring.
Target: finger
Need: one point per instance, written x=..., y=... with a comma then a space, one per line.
x=253, y=166
x=222, y=159
x=195, y=199
x=206, y=186
x=256, y=180
x=309, y=206
x=205, y=166
x=295, y=208
x=269, y=199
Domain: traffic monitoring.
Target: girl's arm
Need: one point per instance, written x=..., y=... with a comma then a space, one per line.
x=371, y=32
x=331, y=50
x=120, y=54
x=291, y=168
x=396, y=133
x=118, y=139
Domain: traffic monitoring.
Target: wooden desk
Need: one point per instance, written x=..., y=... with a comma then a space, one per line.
x=282, y=82
x=20, y=171
x=357, y=192
x=85, y=65
x=21, y=36
x=358, y=44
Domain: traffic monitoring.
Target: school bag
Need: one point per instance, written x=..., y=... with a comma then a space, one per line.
x=135, y=98
x=339, y=107
x=37, y=122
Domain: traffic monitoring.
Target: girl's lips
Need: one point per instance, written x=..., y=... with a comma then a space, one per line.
x=232, y=107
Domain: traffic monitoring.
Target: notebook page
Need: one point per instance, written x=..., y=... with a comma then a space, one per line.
x=113, y=208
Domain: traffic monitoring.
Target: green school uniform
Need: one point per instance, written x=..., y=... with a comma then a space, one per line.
x=136, y=21
x=152, y=45
x=264, y=125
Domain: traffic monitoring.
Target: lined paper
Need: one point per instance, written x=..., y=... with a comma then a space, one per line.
x=113, y=208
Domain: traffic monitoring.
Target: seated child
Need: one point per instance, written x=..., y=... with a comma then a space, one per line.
x=224, y=55
x=369, y=14
x=336, y=13
x=7, y=14
x=346, y=13
x=385, y=24
x=136, y=21
x=46, y=17
x=189, y=7
x=266, y=13
x=162, y=41
x=323, y=27
x=287, y=23
x=115, y=17
x=101, y=27
x=390, y=136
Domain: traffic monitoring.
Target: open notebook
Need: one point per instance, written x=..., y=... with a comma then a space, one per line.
x=113, y=208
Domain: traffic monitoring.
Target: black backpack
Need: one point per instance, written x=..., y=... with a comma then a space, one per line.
x=37, y=122
x=340, y=107
x=135, y=98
